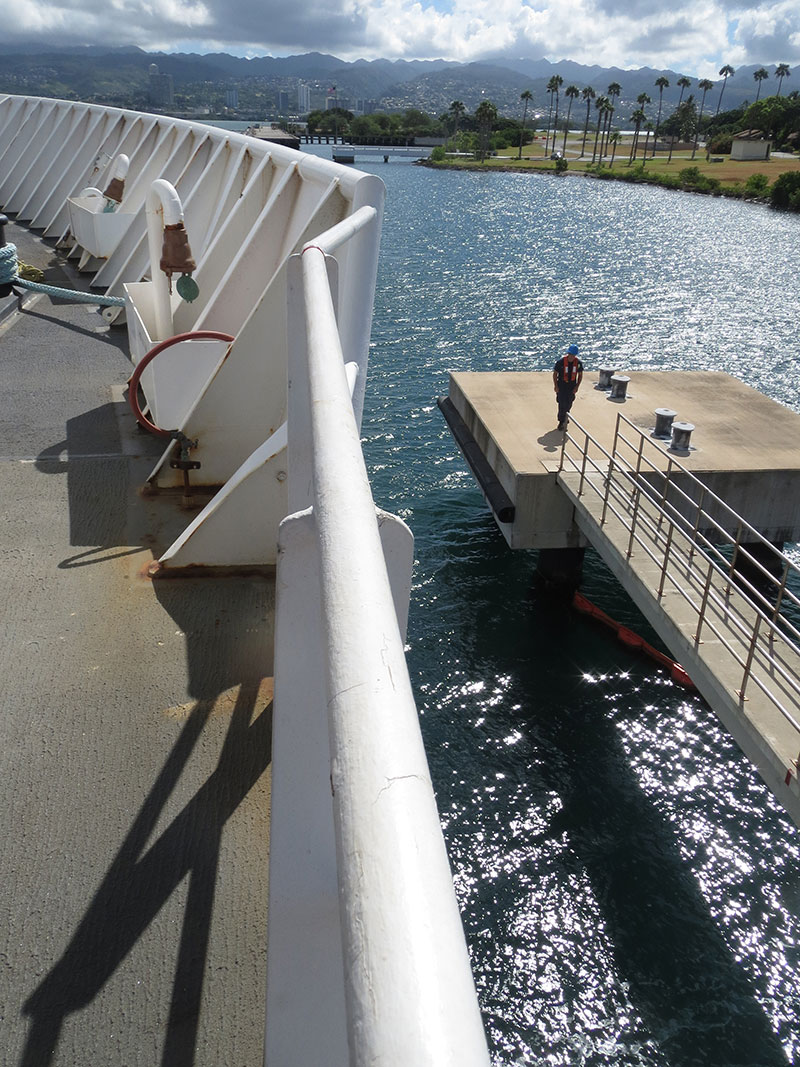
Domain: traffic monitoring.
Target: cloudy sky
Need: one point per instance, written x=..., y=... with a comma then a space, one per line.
x=693, y=36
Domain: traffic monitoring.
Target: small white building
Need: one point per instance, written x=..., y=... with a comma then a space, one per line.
x=750, y=144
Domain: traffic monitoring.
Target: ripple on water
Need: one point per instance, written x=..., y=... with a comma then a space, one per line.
x=630, y=890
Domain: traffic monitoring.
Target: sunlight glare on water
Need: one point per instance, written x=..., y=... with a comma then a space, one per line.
x=629, y=888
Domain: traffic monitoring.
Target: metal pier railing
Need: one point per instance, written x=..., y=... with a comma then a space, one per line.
x=719, y=594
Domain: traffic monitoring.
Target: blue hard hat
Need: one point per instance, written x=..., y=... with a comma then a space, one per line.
x=572, y=350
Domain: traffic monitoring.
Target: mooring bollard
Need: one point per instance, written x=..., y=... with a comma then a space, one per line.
x=681, y=435
x=619, y=386
x=664, y=417
x=604, y=380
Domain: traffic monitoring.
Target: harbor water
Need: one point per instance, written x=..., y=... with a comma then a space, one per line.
x=629, y=888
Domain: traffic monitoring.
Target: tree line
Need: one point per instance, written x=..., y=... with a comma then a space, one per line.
x=485, y=130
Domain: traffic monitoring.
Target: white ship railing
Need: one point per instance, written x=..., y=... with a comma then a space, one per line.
x=248, y=205
x=369, y=901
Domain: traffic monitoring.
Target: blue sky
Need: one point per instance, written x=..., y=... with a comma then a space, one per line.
x=695, y=37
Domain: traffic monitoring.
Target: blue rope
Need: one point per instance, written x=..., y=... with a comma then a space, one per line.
x=9, y=275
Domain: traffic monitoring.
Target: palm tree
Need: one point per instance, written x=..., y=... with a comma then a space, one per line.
x=572, y=92
x=638, y=117
x=759, y=76
x=649, y=128
x=727, y=71
x=456, y=109
x=600, y=105
x=608, y=111
x=614, y=91
x=485, y=116
x=527, y=96
x=684, y=83
x=662, y=83
x=782, y=71
x=588, y=95
x=614, y=139
x=641, y=100
x=705, y=85
x=551, y=88
x=557, y=81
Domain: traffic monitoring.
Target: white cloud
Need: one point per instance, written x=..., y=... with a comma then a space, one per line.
x=692, y=37
x=770, y=34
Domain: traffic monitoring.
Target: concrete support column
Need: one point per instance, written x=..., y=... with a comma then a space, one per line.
x=559, y=570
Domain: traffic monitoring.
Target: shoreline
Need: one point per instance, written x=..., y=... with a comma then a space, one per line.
x=634, y=176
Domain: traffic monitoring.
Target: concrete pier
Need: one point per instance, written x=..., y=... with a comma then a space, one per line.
x=656, y=533
x=745, y=448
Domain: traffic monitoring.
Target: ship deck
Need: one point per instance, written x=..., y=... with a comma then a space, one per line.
x=136, y=727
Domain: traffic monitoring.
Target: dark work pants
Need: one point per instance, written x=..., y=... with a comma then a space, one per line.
x=566, y=394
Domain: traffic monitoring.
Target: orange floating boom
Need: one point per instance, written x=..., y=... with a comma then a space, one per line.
x=633, y=640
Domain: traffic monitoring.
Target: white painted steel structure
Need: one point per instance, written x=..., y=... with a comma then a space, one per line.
x=718, y=593
x=350, y=774
x=367, y=962
x=248, y=206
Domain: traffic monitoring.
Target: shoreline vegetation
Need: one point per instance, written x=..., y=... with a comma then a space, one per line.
x=657, y=149
x=695, y=148
x=751, y=180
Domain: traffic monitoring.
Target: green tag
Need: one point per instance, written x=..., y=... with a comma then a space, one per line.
x=187, y=288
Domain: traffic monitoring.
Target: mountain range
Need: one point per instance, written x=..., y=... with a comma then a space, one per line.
x=430, y=85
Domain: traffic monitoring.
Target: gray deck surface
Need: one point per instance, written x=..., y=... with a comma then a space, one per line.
x=134, y=731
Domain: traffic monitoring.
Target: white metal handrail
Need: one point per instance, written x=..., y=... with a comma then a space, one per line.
x=409, y=991
x=629, y=475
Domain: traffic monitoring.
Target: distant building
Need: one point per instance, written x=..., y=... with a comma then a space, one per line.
x=365, y=107
x=160, y=90
x=303, y=98
x=283, y=102
x=232, y=99
x=750, y=144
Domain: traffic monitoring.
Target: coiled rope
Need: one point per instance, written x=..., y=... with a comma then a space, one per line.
x=10, y=275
